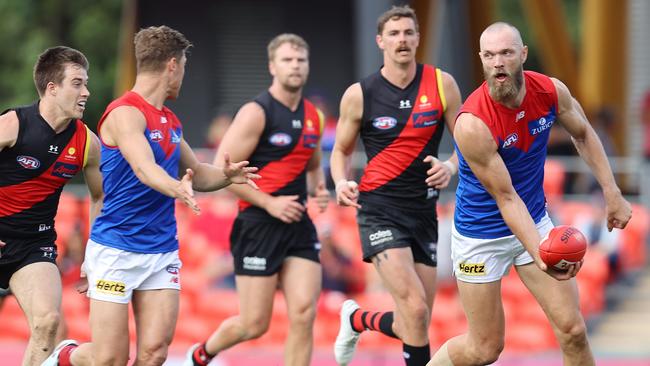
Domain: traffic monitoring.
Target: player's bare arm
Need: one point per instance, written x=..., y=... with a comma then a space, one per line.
x=8, y=129
x=347, y=130
x=440, y=173
x=477, y=145
x=316, y=179
x=239, y=142
x=124, y=127
x=590, y=148
x=93, y=177
x=209, y=177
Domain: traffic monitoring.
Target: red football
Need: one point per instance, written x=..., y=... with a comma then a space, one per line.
x=564, y=245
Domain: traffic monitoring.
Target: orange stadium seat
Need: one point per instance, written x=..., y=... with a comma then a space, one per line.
x=217, y=304
x=634, y=239
x=14, y=324
x=554, y=175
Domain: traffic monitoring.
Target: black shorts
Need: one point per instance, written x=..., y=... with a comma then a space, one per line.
x=382, y=228
x=42, y=253
x=259, y=248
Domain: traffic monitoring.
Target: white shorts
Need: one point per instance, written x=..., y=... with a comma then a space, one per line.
x=113, y=274
x=488, y=260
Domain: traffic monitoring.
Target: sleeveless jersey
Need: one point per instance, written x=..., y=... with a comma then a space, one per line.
x=521, y=135
x=399, y=128
x=288, y=141
x=135, y=217
x=32, y=175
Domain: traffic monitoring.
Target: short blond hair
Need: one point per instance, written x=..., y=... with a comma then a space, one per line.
x=293, y=39
x=154, y=46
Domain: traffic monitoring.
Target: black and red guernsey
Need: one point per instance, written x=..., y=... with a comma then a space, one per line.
x=288, y=141
x=399, y=128
x=32, y=175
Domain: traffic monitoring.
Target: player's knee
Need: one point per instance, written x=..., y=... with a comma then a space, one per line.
x=487, y=351
x=303, y=316
x=573, y=332
x=256, y=329
x=418, y=312
x=152, y=354
x=45, y=325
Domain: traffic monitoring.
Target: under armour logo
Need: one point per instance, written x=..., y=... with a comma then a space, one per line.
x=54, y=149
x=296, y=123
x=404, y=104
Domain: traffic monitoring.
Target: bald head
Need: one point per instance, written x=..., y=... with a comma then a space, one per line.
x=501, y=31
x=503, y=54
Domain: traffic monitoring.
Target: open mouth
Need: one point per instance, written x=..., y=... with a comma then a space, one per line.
x=82, y=104
x=501, y=76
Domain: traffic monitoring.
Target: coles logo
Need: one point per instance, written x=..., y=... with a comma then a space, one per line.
x=510, y=140
x=28, y=162
x=280, y=139
x=384, y=123
x=155, y=136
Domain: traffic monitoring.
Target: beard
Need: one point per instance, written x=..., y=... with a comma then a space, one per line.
x=503, y=91
x=292, y=87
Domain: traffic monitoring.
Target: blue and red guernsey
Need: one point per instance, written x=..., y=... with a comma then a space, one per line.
x=135, y=217
x=521, y=135
x=33, y=173
x=286, y=145
x=399, y=128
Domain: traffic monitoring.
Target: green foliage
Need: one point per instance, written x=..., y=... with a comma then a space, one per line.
x=28, y=27
x=511, y=11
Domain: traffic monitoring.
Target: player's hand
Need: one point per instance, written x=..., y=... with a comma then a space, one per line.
x=185, y=192
x=619, y=212
x=347, y=193
x=82, y=285
x=239, y=173
x=322, y=197
x=440, y=173
x=285, y=208
x=567, y=274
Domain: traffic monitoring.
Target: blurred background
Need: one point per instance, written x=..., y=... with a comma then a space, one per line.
x=599, y=48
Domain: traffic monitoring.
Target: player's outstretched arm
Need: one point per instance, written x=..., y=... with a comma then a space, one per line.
x=347, y=130
x=590, y=148
x=124, y=127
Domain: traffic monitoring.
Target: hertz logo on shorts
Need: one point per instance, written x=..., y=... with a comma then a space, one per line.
x=472, y=269
x=111, y=287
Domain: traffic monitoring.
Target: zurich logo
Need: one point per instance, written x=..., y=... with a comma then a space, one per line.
x=543, y=123
x=384, y=123
x=28, y=162
x=510, y=140
x=280, y=139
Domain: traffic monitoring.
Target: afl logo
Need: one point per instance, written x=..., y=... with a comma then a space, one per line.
x=384, y=123
x=510, y=140
x=28, y=162
x=155, y=136
x=280, y=139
